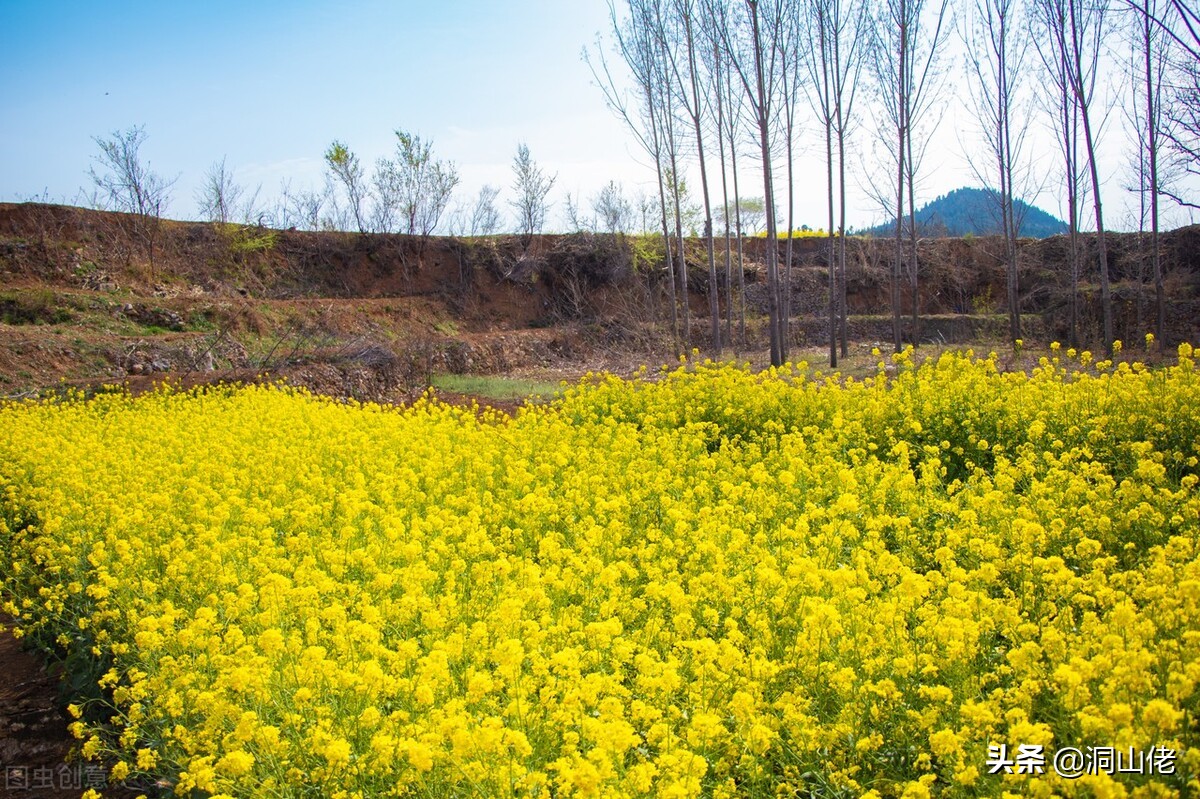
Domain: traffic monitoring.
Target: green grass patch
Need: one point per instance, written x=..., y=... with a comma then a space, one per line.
x=243, y=239
x=496, y=388
x=33, y=307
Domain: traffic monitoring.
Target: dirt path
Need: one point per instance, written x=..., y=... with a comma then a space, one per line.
x=34, y=740
x=36, y=760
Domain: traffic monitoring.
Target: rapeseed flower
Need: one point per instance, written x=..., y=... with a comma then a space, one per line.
x=718, y=583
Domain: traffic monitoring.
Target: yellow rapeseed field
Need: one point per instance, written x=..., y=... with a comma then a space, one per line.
x=716, y=583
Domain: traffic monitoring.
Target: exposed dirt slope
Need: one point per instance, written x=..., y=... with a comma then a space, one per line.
x=89, y=297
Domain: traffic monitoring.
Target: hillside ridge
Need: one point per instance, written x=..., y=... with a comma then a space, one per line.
x=976, y=212
x=85, y=300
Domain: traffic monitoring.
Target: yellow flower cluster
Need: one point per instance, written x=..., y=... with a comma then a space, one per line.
x=712, y=583
x=801, y=233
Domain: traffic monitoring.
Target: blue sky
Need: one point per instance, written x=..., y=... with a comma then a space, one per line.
x=268, y=85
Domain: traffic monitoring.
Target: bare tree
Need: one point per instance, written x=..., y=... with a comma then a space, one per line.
x=485, y=217
x=1167, y=115
x=791, y=73
x=733, y=129
x=348, y=171
x=304, y=209
x=833, y=48
x=714, y=67
x=1074, y=30
x=532, y=187
x=417, y=185
x=728, y=106
x=1182, y=133
x=1181, y=24
x=672, y=179
x=752, y=44
x=848, y=26
x=818, y=61
x=576, y=221
x=1178, y=20
x=640, y=49
x=613, y=212
x=386, y=192
x=219, y=196
x=687, y=80
x=645, y=208
x=996, y=56
x=1139, y=177
x=127, y=184
x=251, y=213
x=907, y=39
x=1151, y=46
x=1064, y=115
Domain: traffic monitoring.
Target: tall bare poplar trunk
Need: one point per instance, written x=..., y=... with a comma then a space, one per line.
x=772, y=243
x=714, y=305
x=718, y=78
x=901, y=136
x=914, y=264
x=1089, y=141
x=1152, y=120
x=741, y=257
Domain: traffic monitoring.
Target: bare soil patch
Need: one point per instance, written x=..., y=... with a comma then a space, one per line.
x=36, y=746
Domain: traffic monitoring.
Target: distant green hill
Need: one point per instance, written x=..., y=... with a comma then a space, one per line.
x=977, y=212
